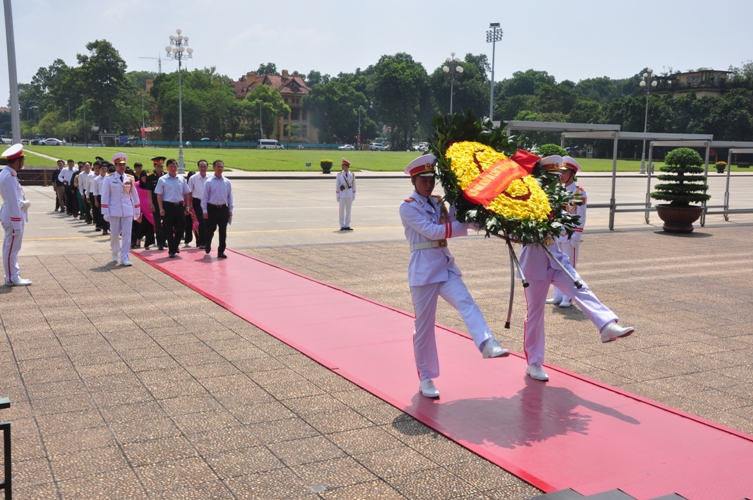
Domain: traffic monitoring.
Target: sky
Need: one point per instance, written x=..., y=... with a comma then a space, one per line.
x=569, y=40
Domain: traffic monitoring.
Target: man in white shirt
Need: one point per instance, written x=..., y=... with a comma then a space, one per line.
x=120, y=207
x=13, y=214
x=84, y=180
x=345, y=192
x=196, y=185
x=217, y=205
x=173, y=197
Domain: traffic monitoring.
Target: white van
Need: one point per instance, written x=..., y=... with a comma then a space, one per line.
x=269, y=144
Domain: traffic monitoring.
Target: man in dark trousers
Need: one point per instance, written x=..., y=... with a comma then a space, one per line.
x=173, y=196
x=217, y=205
x=196, y=184
x=151, y=185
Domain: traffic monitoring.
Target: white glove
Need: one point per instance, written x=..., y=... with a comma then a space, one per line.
x=106, y=217
x=575, y=239
x=24, y=204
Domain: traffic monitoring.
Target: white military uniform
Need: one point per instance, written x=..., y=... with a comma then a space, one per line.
x=120, y=207
x=345, y=191
x=432, y=273
x=569, y=245
x=14, y=217
x=541, y=271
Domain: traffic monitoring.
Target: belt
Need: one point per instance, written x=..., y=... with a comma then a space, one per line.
x=218, y=206
x=424, y=245
x=172, y=204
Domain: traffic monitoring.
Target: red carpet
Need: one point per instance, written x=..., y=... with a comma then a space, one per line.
x=569, y=433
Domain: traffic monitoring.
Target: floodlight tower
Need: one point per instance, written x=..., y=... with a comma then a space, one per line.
x=177, y=50
x=493, y=35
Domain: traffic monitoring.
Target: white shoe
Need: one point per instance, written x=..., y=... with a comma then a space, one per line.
x=553, y=301
x=20, y=282
x=492, y=349
x=565, y=303
x=126, y=263
x=115, y=257
x=427, y=389
x=613, y=331
x=536, y=372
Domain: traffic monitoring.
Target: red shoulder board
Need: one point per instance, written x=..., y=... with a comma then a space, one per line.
x=410, y=200
x=579, y=187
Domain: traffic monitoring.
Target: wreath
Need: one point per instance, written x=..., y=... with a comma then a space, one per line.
x=496, y=186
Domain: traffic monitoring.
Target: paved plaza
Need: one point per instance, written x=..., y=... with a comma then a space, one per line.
x=126, y=384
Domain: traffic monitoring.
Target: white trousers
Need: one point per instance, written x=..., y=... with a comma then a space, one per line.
x=345, y=204
x=120, y=226
x=533, y=331
x=570, y=249
x=425, y=307
x=11, y=247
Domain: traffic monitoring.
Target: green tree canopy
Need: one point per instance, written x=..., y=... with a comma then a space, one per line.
x=270, y=102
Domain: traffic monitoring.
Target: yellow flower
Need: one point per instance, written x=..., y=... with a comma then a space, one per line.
x=468, y=159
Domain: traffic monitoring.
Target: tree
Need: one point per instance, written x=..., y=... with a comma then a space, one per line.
x=471, y=88
x=333, y=108
x=267, y=69
x=525, y=83
x=555, y=99
x=103, y=77
x=399, y=87
x=272, y=106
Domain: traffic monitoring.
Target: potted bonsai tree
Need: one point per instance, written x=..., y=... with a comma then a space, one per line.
x=684, y=184
x=326, y=166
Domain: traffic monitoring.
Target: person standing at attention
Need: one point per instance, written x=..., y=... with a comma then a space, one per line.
x=345, y=191
x=217, y=206
x=13, y=214
x=120, y=207
x=173, y=197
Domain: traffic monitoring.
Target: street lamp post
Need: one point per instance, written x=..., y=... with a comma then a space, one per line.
x=83, y=108
x=493, y=35
x=261, y=128
x=177, y=50
x=452, y=66
x=360, y=108
x=143, y=131
x=647, y=82
x=69, y=119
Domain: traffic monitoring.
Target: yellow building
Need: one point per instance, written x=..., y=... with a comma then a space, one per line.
x=292, y=88
x=702, y=83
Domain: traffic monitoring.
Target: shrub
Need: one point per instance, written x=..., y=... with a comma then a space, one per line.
x=721, y=164
x=683, y=184
x=551, y=149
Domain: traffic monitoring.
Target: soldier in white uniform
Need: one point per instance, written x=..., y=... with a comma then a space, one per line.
x=541, y=271
x=120, y=207
x=13, y=214
x=345, y=191
x=432, y=273
x=569, y=244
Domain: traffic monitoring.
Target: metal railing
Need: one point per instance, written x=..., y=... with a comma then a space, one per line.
x=5, y=484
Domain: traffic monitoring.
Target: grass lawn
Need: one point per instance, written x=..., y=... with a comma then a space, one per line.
x=267, y=160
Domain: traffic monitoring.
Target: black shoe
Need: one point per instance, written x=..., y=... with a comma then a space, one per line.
x=105, y=233
x=348, y=228
x=172, y=255
x=221, y=256
x=160, y=247
x=146, y=247
x=177, y=250
x=343, y=229
x=133, y=247
x=207, y=249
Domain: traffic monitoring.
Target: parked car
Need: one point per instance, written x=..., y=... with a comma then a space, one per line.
x=35, y=142
x=377, y=146
x=346, y=147
x=204, y=139
x=51, y=142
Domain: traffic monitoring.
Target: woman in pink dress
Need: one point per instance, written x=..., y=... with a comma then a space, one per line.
x=145, y=230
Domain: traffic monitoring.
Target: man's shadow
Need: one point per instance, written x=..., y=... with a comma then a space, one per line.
x=536, y=413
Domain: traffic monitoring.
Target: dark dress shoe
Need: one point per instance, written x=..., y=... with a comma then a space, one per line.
x=177, y=250
x=171, y=255
x=221, y=256
x=160, y=247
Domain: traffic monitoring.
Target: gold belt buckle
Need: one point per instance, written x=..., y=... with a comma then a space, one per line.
x=442, y=243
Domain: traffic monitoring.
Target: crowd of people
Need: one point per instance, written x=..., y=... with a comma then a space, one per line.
x=166, y=208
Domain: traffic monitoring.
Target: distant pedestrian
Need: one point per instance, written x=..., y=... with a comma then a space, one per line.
x=172, y=196
x=151, y=185
x=196, y=184
x=120, y=207
x=145, y=230
x=217, y=205
x=345, y=191
x=59, y=187
x=13, y=214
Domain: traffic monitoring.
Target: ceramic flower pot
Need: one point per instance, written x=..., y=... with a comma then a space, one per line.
x=678, y=219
